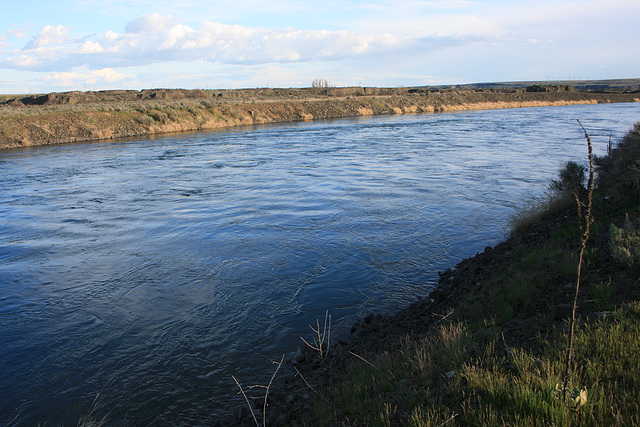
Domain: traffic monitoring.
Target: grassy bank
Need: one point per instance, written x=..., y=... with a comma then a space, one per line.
x=489, y=347
x=59, y=118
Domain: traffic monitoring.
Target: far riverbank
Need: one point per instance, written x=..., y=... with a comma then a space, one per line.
x=59, y=118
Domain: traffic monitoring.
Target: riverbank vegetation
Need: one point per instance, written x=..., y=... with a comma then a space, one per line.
x=489, y=346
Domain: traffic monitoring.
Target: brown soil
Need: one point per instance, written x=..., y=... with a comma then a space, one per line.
x=59, y=118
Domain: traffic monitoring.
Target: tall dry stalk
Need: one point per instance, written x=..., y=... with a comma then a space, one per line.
x=585, y=221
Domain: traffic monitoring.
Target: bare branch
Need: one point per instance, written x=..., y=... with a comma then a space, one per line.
x=247, y=399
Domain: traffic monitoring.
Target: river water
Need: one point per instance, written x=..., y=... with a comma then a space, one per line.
x=141, y=274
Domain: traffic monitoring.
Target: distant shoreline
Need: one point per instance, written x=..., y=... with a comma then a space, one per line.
x=60, y=118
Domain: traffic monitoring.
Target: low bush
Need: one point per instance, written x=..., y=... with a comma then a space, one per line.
x=571, y=180
x=619, y=170
x=625, y=242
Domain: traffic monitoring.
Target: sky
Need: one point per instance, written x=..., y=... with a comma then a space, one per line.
x=53, y=46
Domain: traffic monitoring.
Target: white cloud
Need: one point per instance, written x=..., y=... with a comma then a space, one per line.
x=153, y=22
x=108, y=75
x=18, y=33
x=498, y=19
x=186, y=43
x=14, y=33
x=175, y=35
x=154, y=38
x=49, y=36
x=102, y=77
x=90, y=47
x=24, y=61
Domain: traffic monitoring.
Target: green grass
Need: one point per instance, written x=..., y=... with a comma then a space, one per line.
x=522, y=386
x=453, y=372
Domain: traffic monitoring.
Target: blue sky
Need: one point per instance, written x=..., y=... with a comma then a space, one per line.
x=135, y=44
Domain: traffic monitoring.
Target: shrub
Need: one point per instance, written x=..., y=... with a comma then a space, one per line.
x=144, y=120
x=625, y=242
x=571, y=180
x=619, y=171
x=159, y=116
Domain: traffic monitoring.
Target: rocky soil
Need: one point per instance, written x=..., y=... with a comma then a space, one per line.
x=59, y=118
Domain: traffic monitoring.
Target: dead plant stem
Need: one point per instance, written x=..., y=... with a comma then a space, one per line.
x=313, y=389
x=266, y=394
x=246, y=399
x=323, y=337
x=371, y=364
x=585, y=223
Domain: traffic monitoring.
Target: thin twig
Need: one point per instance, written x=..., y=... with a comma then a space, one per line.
x=89, y=419
x=247, y=399
x=266, y=394
x=445, y=316
x=504, y=341
x=328, y=331
x=323, y=337
x=371, y=364
x=449, y=420
x=313, y=389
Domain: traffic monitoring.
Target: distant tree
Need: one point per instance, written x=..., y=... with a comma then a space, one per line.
x=323, y=83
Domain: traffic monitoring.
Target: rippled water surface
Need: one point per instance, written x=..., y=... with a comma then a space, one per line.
x=149, y=271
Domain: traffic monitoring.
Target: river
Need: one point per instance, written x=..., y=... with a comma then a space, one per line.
x=138, y=275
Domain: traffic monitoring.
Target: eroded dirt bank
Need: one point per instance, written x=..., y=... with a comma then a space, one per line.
x=59, y=118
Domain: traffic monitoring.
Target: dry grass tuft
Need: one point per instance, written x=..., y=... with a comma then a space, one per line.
x=534, y=211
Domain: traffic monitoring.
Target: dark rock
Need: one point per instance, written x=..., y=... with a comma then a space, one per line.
x=562, y=312
x=445, y=273
x=242, y=413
